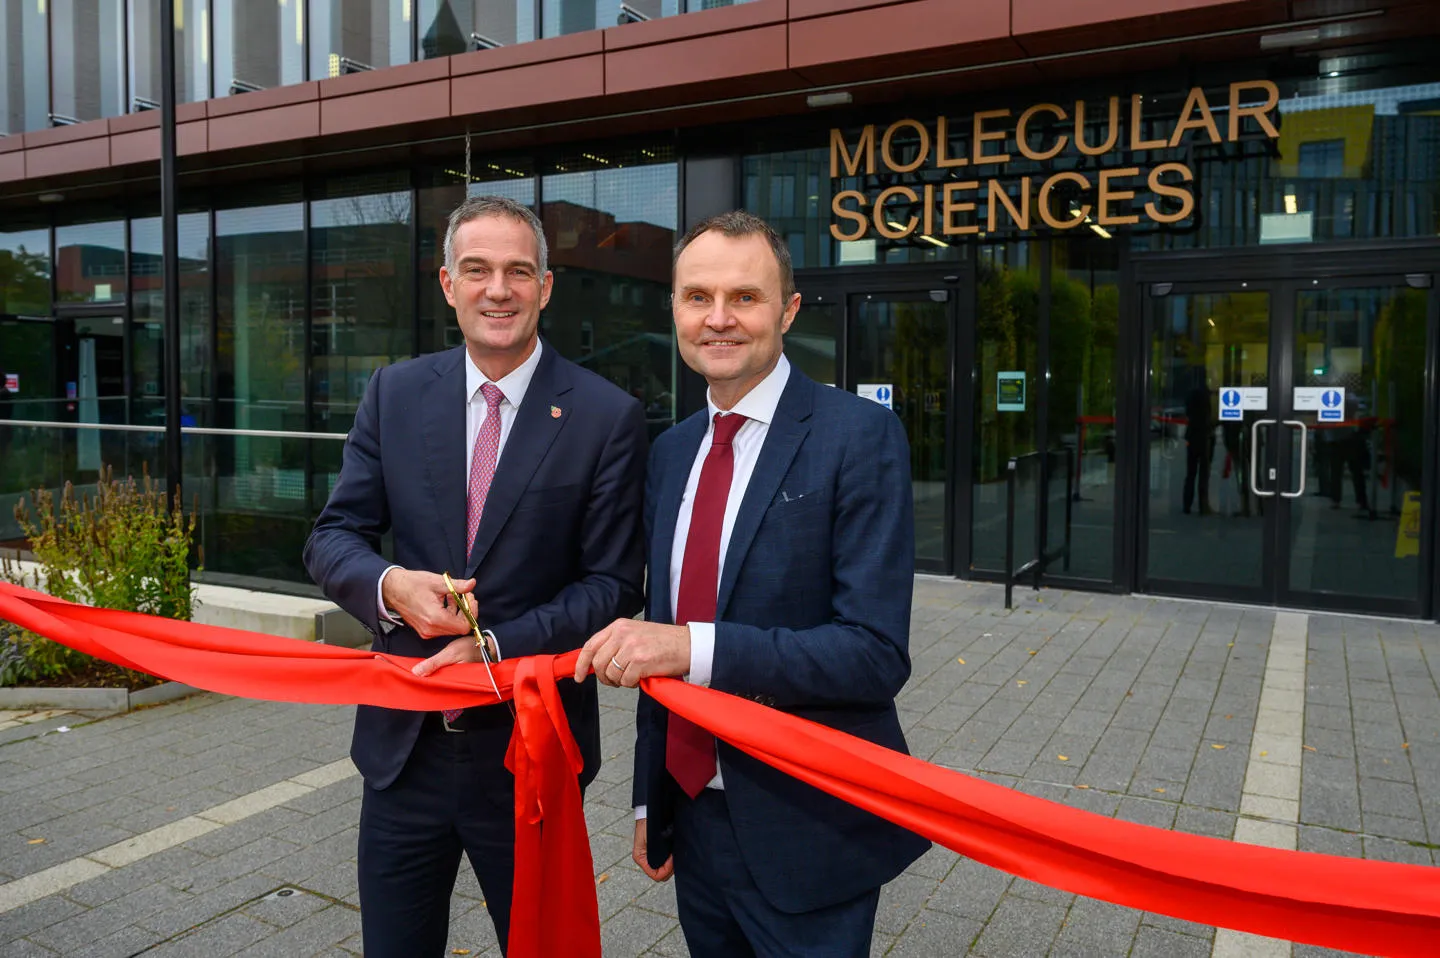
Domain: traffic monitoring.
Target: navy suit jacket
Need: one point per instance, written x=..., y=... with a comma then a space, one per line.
x=813, y=618
x=558, y=554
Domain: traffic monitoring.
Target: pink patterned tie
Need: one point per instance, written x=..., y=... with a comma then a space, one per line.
x=482, y=470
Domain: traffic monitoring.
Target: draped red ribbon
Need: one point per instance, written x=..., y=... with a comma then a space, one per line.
x=1351, y=904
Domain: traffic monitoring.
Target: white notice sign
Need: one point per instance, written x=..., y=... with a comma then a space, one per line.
x=1235, y=401
x=1327, y=402
x=882, y=393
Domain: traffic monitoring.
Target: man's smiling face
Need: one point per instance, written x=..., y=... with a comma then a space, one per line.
x=496, y=289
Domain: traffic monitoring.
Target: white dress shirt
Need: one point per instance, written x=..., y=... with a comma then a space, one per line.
x=514, y=385
x=758, y=406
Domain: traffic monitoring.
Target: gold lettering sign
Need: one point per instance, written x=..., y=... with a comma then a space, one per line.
x=1040, y=133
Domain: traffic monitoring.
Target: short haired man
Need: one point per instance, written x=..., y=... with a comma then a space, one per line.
x=519, y=473
x=781, y=543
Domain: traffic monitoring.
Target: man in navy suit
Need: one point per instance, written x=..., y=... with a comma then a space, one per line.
x=781, y=543
x=521, y=475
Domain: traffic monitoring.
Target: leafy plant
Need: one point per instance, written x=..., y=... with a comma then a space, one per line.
x=127, y=547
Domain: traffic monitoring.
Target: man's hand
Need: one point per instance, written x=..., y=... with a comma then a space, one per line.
x=642, y=844
x=421, y=599
x=626, y=651
x=460, y=650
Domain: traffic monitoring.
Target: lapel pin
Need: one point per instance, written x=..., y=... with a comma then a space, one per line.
x=554, y=412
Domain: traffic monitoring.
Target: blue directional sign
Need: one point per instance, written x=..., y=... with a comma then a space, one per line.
x=1332, y=405
x=1230, y=405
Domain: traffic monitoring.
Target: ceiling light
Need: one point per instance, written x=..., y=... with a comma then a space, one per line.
x=50, y=197
x=837, y=98
x=1291, y=38
x=1290, y=205
x=930, y=239
x=1100, y=229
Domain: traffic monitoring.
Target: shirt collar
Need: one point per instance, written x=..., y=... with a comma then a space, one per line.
x=514, y=384
x=761, y=402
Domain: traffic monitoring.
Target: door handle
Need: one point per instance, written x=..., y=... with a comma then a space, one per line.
x=1304, y=434
x=1254, y=450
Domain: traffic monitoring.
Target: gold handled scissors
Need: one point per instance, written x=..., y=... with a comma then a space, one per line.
x=480, y=643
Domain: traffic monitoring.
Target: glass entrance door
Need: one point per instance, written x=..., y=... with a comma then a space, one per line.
x=1284, y=450
x=899, y=355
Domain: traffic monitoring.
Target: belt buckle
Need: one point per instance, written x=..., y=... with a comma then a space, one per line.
x=448, y=727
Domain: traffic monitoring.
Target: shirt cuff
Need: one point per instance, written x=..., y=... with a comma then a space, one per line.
x=495, y=639
x=384, y=618
x=702, y=652
x=640, y=812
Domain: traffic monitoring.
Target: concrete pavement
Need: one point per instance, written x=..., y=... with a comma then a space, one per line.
x=217, y=826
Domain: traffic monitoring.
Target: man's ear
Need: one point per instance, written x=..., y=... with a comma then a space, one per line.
x=788, y=317
x=447, y=285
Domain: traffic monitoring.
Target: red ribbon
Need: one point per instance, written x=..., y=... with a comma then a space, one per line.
x=1351, y=904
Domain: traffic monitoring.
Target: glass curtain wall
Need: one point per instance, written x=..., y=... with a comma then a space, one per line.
x=610, y=218
x=24, y=67
x=349, y=36
x=258, y=45
x=192, y=52
x=147, y=322
x=261, y=513
x=27, y=351
x=87, y=59
x=448, y=27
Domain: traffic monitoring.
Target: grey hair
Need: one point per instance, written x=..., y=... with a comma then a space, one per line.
x=477, y=206
x=738, y=223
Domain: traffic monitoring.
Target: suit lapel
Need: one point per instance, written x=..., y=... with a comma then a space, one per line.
x=443, y=418
x=535, y=428
x=667, y=511
x=782, y=441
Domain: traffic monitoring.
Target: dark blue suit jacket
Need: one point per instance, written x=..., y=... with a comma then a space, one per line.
x=813, y=618
x=558, y=554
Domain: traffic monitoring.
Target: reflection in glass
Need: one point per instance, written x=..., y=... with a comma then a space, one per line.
x=610, y=221
x=448, y=27
x=147, y=326
x=1007, y=310
x=258, y=45
x=86, y=48
x=27, y=335
x=351, y=36
x=25, y=272
x=24, y=67
x=1204, y=522
x=360, y=273
x=812, y=341
x=1084, y=339
x=903, y=340
x=791, y=192
x=192, y=52
x=441, y=191
x=90, y=262
x=1356, y=531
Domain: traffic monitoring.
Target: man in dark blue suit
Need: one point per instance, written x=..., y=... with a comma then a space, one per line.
x=781, y=544
x=521, y=474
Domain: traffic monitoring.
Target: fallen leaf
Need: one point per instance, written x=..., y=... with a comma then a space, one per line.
x=1128, y=692
x=1022, y=681
x=1029, y=651
x=459, y=951
x=1217, y=746
x=1082, y=786
x=1063, y=758
x=1160, y=790
x=1308, y=748
x=1264, y=753
x=1229, y=716
x=1404, y=744
x=961, y=661
x=36, y=841
x=1230, y=645
x=604, y=877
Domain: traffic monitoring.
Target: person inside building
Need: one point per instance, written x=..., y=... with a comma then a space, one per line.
x=781, y=564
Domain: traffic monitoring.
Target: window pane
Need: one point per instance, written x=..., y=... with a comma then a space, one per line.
x=362, y=304
x=444, y=189
x=25, y=273
x=349, y=36
x=24, y=69
x=147, y=336
x=90, y=262
x=258, y=45
x=610, y=219
x=86, y=49
x=192, y=52
x=448, y=27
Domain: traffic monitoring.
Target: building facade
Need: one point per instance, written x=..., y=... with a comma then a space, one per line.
x=1173, y=259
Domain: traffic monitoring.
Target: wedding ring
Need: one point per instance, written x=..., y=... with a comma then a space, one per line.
x=616, y=664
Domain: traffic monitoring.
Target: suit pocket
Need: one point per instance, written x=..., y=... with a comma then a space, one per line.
x=551, y=496
x=787, y=504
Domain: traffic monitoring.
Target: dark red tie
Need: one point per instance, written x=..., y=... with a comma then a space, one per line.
x=689, y=749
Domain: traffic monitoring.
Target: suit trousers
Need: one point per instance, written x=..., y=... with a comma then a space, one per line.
x=453, y=795
x=723, y=914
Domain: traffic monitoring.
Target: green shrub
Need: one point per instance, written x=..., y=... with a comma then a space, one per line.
x=127, y=547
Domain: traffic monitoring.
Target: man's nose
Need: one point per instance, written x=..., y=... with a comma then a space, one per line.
x=497, y=289
x=720, y=316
